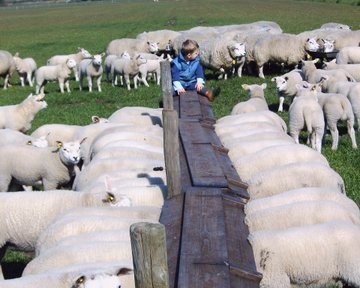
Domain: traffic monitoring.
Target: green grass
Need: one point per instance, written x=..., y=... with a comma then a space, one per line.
x=43, y=32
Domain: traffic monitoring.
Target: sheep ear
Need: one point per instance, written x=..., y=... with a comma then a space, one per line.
x=29, y=142
x=95, y=119
x=16, y=54
x=245, y=86
x=124, y=271
x=316, y=60
x=79, y=281
x=59, y=144
x=333, y=61
x=83, y=140
x=263, y=86
x=273, y=79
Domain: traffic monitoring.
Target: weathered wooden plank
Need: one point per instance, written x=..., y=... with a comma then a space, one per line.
x=203, y=256
x=189, y=107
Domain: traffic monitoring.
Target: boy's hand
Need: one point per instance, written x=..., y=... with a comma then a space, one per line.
x=199, y=86
x=180, y=90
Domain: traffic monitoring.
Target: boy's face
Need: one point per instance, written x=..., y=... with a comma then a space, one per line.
x=192, y=56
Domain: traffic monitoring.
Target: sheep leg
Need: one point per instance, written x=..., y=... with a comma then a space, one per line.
x=239, y=69
x=127, y=81
x=22, y=80
x=334, y=136
x=281, y=104
x=67, y=85
x=89, y=79
x=351, y=132
x=98, y=83
x=261, y=71
x=29, y=79
x=76, y=73
x=61, y=85
x=6, y=81
x=143, y=79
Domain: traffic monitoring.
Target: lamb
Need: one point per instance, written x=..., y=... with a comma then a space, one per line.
x=352, y=69
x=109, y=59
x=27, y=165
x=257, y=101
x=7, y=67
x=348, y=55
x=286, y=86
x=151, y=66
x=112, y=275
x=56, y=132
x=306, y=111
x=291, y=176
x=10, y=136
x=26, y=68
x=329, y=45
x=127, y=68
x=59, y=72
x=249, y=165
x=311, y=254
x=20, y=116
x=300, y=195
x=219, y=55
x=314, y=75
x=91, y=69
x=282, y=48
x=132, y=46
x=138, y=115
x=61, y=59
x=299, y=214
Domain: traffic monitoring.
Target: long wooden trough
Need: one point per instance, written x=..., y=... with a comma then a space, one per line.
x=205, y=232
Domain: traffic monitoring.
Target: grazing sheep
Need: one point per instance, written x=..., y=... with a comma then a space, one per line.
x=282, y=48
x=91, y=69
x=59, y=72
x=286, y=86
x=299, y=214
x=27, y=165
x=26, y=68
x=249, y=165
x=132, y=46
x=311, y=254
x=61, y=59
x=348, y=55
x=7, y=66
x=10, y=136
x=20, y=116
x=291, y=176
x=256, y=102
x=126, y=68
x=300, y=195
x=306, y=111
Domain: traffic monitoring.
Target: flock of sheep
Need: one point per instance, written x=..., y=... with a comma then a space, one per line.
x=303, y=229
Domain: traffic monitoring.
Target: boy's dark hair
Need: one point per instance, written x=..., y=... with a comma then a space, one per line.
x=189, y=46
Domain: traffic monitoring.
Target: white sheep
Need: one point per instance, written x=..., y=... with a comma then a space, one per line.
x=299, y=214
x=335, y=25
x=311, y=254
x=54, y=166
x=348, y=55
x=20, y=116
x=286, y=86
x=256, y=101
x=132, y=46
x=274, y=156
x=352, y=69
x=109, y=59
x=91, y=69
x=61, y=59
x=144, y=116
x=282, y=48
x=151, y=66
x=7, y=67
x=291, y=176
x=26, y=68
x=299, y=195
x=126, y=68
x=307, y=112
x=162, y=37
x=10, y=136
x=59, y=72
x=107, y=275
x=329, y=45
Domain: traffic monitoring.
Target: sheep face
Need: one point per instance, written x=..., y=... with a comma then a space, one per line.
x=69, y=152
x=37, y=102
x=71, y=63
x=125, y=55
x=97, y=60
x=153, y=47
x=281, y=83
x=237, y=50
x=101, y=280
x=329, y=45
x=312, y=45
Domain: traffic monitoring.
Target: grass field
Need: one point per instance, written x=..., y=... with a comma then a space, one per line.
x=45, y=31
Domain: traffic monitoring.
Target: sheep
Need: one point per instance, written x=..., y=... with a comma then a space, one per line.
x=256, y=102
x=26, y=68
x=7, y=67
x=311, y=254
x=110, y=275
x=10, y=136
x=286, y=86
x=306, y=111
x=126, y=68
x=20, y=116
x=162, y=37
x=352, y=69
x=329, y=45
x=247, y=166
x=335, y=25
x=282, y=48
x=300, y=195
x=144, y=116
x=60, y=72
x=336, y=107
x=151, y=66
x=348, y=55
x=314, y=75
x=26, y=165
x=291, y=176
x=132, y=46
x=109, y=59
x=299, y=214
x=91, y=69
x=220, y=55
x=61, y=59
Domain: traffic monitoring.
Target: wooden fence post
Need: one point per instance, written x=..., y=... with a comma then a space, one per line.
x=166, y=85
x=148, y=243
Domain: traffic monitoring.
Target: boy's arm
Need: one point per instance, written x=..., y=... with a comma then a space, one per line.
x=200, y=76
x=175, y=78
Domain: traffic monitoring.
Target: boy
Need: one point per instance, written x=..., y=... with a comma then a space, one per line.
x=187, y=72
